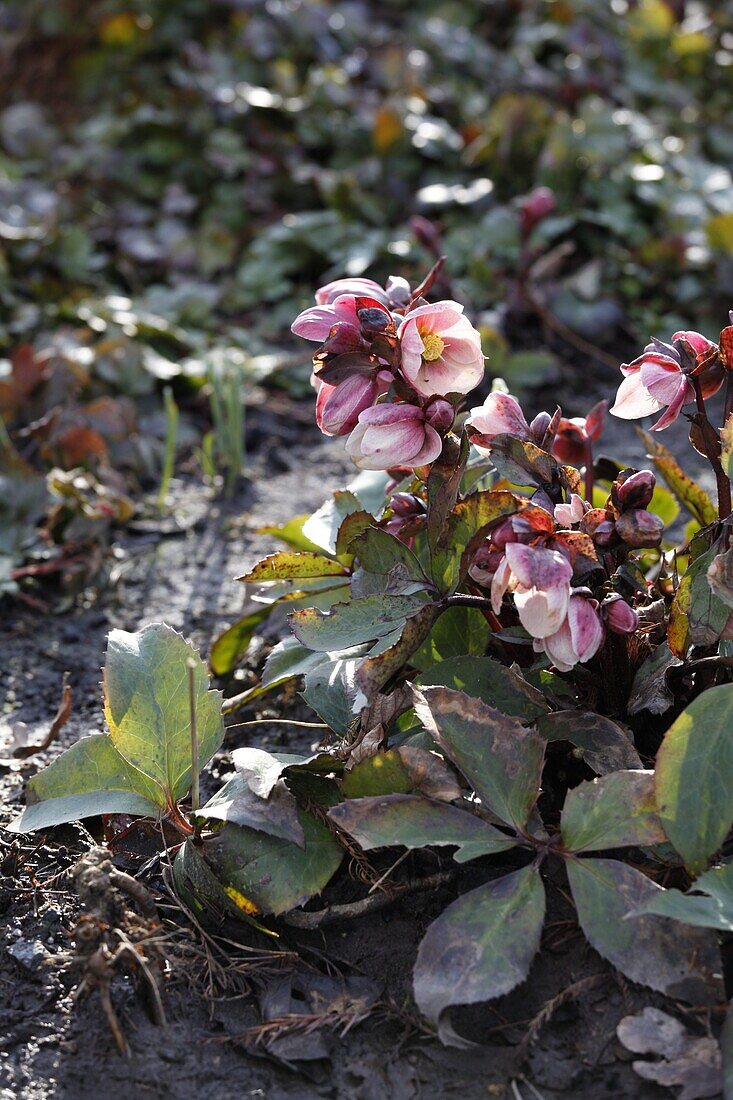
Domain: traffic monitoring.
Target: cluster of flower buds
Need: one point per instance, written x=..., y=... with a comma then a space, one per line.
x=389, y=370
x=405, y=517
x=567, y=439
x=665, y=376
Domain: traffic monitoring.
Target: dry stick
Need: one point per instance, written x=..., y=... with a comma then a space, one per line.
x=548, y=1011
x=279, y=722
x=195, y=799
x=370, y=904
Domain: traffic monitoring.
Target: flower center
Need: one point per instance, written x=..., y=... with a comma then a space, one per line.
x=432, y=346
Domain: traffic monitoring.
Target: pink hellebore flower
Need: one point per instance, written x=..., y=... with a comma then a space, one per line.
x=316, y=322
x=500, y=414
x=441, y=350
x=338, y=407
x=579, y=638
x=359, y=288
x=573, y=434
x=540, y=581
x=390, y=435
x=656, y=381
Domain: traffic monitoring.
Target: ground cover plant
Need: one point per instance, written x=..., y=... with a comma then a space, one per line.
x=510, y=651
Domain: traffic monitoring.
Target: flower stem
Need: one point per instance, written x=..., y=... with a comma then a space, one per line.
x=721, y=478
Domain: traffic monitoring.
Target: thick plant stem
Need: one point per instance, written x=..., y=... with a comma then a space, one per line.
x=721, y=479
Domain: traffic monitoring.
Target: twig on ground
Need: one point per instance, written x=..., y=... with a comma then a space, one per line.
x=62, y=717
x=370, y=904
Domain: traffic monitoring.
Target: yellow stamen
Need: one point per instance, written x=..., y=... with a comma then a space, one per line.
x=432, y=346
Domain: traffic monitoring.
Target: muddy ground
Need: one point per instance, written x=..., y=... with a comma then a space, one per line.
x=51, y=1047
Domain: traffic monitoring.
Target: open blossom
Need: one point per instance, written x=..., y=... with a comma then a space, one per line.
x=441, y=350
x=540, y=582
x=656, y=380
x=579, y=637
x=568, y=514
x=390, y=435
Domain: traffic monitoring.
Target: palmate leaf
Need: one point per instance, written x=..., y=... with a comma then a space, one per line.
x=694, y=777
x=500, y=758
x=146, y=704
x=88, y=779
x=413, y=821
x=480, y=947
x=654, y=951
x=612, y=812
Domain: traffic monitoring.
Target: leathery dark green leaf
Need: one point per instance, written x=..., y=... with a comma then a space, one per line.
x=480, y=947
x=616, y=810
x=416, y=822
x=500, y=758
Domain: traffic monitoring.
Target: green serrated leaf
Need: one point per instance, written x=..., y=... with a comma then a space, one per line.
x=360, y=620
x=604, y=745
x=146, y=704
x=458, y=631
x=412, y=821
x=286, y=565
x=88, y=779
x=654, y=951
x=694, y=777
x=480, y=947
x=500, y=758
x=612, y=812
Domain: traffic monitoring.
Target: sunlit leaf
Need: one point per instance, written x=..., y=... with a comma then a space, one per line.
x=612, y=812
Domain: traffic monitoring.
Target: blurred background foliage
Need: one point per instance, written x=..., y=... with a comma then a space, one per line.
x=176, y=177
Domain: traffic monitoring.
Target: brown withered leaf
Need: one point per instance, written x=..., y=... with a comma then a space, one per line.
x=684, y=1059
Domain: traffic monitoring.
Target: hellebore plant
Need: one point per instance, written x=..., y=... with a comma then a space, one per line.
x=487, y=618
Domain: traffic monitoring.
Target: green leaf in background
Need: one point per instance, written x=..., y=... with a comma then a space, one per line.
x=349, y=624
x=604, y=745
x=146, y=704
x=231, y=645
x=88, y=779
x=291, y=533
x=286, y=565
x=486, y=679
x=681, y=962
x=412, y=821
x=612, y=812
x=500, y=758
x=708, y=903
x=380, y=666
x=688, y=492
x=480, y=947
x=322, y=527
x=694, y=777
x=269, y=873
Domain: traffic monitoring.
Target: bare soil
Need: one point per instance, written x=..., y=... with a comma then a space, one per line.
x=52, y=1047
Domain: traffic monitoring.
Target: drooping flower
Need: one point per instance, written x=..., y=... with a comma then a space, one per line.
x=500, y=414
x=635, y=490
x=573, y=434
x=390, y=435
x=441, y=350
x=656, y=379
x=579, y=637
x=338, y=407
x=540, y=582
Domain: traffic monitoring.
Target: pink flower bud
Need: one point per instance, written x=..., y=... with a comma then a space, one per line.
x=536, y=206
x=620, y=617
x=406, y=504
x=338, y=407
x=440, y=414
x=639, y=528
x=637, y=490
x=538, y=428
